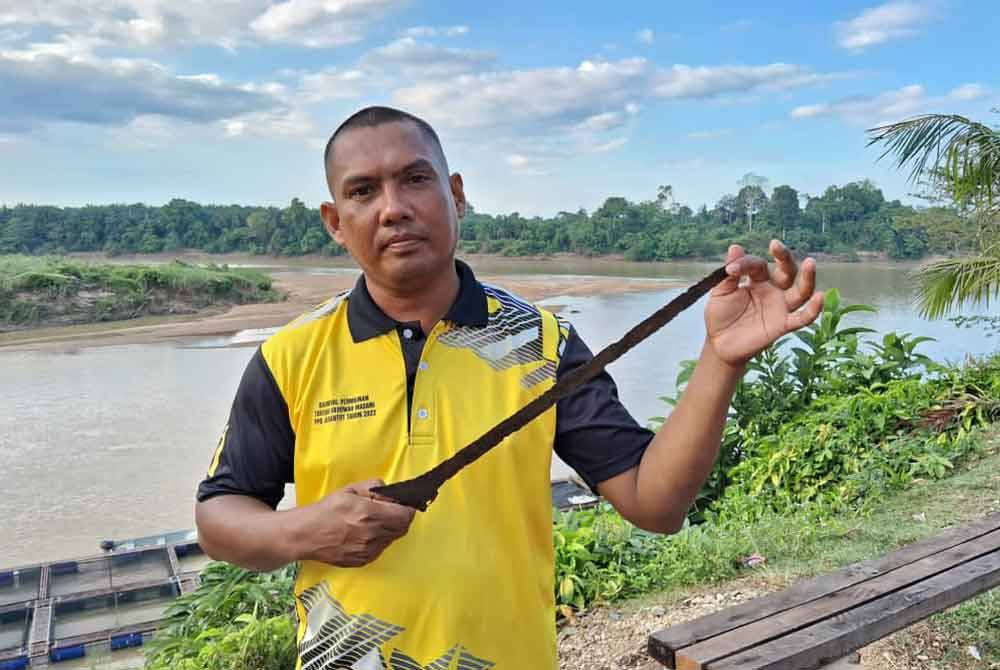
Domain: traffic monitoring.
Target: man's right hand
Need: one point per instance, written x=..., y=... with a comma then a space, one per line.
x=352, y=527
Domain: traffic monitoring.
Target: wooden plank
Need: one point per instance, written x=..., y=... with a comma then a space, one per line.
x=188, y=583
x=816, y=645
x=43, y=582
x=41, y=628
x=175, y=565
x=700, y=655
x=662, y=643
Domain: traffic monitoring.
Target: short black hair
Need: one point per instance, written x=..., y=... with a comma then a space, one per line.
x=370, y=117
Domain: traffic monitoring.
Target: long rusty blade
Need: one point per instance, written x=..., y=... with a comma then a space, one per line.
x=420, y=491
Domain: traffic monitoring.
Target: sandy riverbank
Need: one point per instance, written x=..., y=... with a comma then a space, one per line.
x=304, y=289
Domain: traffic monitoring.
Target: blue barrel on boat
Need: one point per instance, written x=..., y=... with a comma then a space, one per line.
x=126, y=640
x=6, y=578
x=68, y=652
x=18, y=663
x=67, y=568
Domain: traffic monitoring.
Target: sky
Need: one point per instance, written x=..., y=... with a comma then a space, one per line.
x=542, y=106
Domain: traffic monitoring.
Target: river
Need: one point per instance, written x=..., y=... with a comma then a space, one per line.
x=110, y=442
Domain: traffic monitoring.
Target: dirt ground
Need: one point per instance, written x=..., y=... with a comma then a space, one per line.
x=304, y=291
x=610, y=638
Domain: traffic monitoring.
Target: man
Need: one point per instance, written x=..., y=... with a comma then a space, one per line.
x=415, y=362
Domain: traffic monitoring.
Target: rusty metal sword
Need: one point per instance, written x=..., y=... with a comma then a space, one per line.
x=420, y=491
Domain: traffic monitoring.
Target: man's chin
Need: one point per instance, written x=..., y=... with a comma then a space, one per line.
x=407, y=269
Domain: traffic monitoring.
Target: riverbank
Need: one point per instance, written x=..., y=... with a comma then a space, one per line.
x=795, y=548
x=303, y=286
x=56, y=292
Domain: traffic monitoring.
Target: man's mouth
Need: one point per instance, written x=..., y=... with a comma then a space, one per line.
x=403, y=242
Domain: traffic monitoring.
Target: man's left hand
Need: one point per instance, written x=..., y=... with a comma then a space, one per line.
x=744, y=318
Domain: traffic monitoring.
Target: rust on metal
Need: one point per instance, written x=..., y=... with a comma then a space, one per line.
x=420, y=491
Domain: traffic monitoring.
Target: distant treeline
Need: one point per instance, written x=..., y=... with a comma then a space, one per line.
x=843, y=220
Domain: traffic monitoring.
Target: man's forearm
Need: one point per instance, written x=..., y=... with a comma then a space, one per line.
x=682, y=453
x=246, y=532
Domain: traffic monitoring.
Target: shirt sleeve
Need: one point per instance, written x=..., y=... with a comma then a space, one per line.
x=256, y=453
x=595, y=434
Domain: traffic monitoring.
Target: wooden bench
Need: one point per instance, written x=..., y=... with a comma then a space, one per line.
x=819, y=622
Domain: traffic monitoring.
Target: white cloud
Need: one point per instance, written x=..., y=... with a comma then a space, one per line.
x=525, y=166
x=968, y=92
x=889, y=106
x=66, y=81
x=646, y=36
x=563, y=95
x=332, y=84
x=517, y=160
x=435, y=31
x=709, y=134
x=419, y=59
x=886, y=22
x=225, y=23
x=600, y=122
x=321, y=23
x=610, y=145
x=682, y=81
x=139, y=23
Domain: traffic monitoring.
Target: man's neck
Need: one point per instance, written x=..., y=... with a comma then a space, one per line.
x=428, y=304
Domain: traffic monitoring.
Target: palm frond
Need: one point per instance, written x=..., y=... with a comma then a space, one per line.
x=965, y=153
x=949, y=284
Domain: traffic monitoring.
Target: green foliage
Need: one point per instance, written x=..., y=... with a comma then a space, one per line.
x=235, y=619
x=841, y=220
x=33, y=289
x=837, y=418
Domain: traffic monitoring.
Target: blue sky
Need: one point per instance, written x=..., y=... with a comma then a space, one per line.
x=542, y=106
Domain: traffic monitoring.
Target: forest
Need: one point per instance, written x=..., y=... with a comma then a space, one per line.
x=842, y=221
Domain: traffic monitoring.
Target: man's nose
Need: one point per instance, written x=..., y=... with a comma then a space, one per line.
x=395, y=207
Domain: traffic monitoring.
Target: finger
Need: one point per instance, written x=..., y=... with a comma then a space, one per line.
x=753, y=267
x=807, y=314
x=804, y=287
x=363, y=488
x=732, y=282
x=394, y=517
x=784, y=273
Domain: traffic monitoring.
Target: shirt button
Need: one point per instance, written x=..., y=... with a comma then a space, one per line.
x=421, y=413
x=423, y=365
x=407, y=333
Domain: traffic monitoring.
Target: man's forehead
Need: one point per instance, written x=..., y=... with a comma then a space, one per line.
x=385, y=146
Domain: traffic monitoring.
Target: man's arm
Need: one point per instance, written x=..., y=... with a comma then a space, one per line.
x=236, y=512
x=657, y=494
x=741, y=321
x=348, y=528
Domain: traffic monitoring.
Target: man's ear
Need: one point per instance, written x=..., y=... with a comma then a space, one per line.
x=458, y=193
x=331, y=221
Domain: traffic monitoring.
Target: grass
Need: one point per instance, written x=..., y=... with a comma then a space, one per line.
x=38, y=291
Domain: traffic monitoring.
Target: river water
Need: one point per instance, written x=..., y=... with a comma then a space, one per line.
x=110, y=442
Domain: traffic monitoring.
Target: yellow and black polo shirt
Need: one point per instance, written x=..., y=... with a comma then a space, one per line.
x=345, y=393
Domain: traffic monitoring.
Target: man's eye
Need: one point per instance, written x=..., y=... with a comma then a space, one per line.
x=359, y=191
x=418, y=178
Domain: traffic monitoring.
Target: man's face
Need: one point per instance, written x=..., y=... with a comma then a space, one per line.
x=396, y=209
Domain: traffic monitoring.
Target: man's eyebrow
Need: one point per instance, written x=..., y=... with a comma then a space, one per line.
x=419, y=164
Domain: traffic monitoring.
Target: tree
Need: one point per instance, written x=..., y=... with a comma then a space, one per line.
x=784, y=209
x=752, y=195
x=964, y=156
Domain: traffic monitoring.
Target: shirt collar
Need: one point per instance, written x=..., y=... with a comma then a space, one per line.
x=366, y=320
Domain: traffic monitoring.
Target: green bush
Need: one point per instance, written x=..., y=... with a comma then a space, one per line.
x=233, y=618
